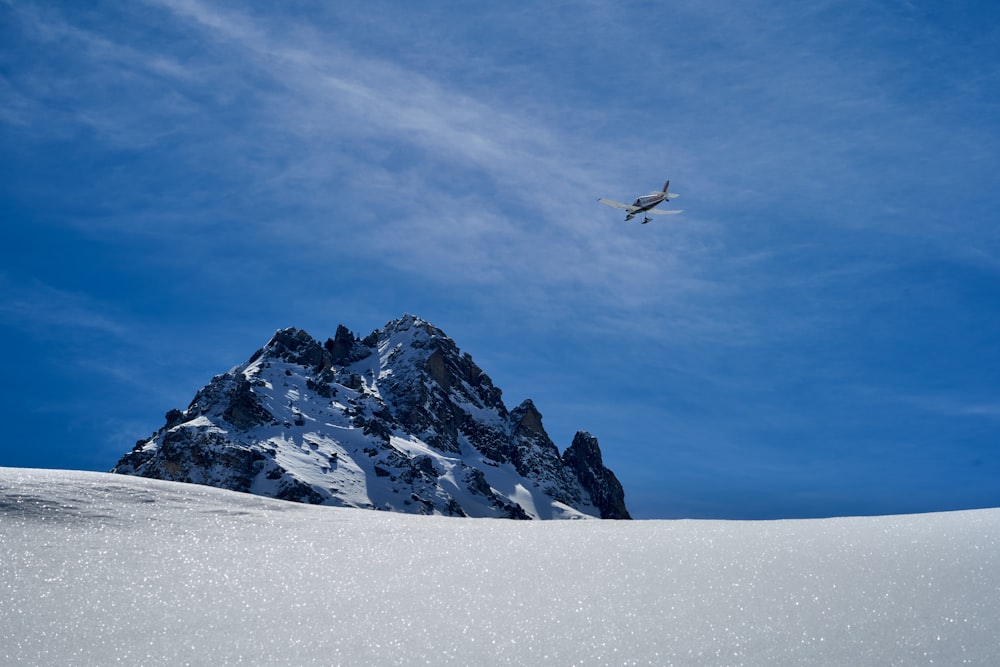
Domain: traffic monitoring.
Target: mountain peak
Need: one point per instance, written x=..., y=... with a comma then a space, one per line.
x=527, y=418
x=401, y=420
x=584, y=458
x=297, y=347
x=416, y=326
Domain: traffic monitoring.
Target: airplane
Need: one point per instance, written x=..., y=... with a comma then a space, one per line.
x=645, y=204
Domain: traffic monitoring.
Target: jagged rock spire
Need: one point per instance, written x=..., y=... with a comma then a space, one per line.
x=584, y=457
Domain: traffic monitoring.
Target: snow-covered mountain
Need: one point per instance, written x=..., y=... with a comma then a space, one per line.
x=401, y=420
x=99, y=569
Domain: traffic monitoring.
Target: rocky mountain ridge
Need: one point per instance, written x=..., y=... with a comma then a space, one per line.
x=400, y=420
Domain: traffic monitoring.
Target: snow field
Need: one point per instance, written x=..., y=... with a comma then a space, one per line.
x=105, y=569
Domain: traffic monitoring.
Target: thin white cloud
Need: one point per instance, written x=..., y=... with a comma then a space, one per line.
x=487, y=188
x=327, y=94
x=953, y=406
x=61, y=313
x=95, y=93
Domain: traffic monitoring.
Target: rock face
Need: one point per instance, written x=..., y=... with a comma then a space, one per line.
x=584, y=457
x=401, y=420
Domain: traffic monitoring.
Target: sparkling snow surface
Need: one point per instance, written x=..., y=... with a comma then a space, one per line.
x=102, y=569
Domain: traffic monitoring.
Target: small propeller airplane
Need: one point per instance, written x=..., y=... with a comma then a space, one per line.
x=645, y=204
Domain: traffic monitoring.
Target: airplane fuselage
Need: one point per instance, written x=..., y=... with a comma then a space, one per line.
x=646, y=203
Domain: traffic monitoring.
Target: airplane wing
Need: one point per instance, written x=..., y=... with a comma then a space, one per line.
x=617, y=204
x=657, y=211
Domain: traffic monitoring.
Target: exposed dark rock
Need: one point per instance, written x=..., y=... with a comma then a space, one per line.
x=425, y=464
x=584, y=458
x=377, y=428
x=174, y=417
x=354, y=381
x=292, y=489
x=514, y=511
x=188, y=454
x=476, y=482
x=454, y=509
x=345, y=348
x=298, y=347
x=321, y=388
x=527, y=420
x=437, y=368
x=535, y=456
x=245, y=410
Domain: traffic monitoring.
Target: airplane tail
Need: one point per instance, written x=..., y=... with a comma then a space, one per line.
x=668, y=195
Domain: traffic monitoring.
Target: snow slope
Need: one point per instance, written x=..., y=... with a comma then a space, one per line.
x=100, y=569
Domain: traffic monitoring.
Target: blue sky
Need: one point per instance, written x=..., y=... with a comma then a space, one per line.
x=815, y=335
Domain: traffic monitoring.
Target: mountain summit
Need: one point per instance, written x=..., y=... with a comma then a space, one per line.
x=400, y=420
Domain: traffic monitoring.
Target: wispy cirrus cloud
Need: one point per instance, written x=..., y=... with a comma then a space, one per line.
x=482, y=186
x=953, y=405
x=479, y=187
x=43, y=308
